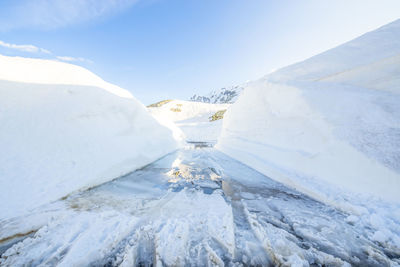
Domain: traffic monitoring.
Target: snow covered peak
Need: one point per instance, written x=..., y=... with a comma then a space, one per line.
x=220, y=96
x=43, y=71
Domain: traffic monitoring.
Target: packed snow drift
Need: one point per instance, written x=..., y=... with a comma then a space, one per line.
x=193, y=207
x=332, y=121
x=197, y=121
x=62, y=129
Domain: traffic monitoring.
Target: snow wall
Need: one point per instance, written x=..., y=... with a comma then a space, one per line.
x=62, y=129
x=331, y=120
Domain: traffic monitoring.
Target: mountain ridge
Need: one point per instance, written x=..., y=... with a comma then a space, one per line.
x=225, y=95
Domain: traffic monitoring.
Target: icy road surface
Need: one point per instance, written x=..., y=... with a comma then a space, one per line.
x=194, y=207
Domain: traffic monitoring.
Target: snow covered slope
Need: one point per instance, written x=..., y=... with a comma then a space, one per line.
x=370, y=61
x=220, y=96
x=332, y=121
x=192, y=118
x=62, y=129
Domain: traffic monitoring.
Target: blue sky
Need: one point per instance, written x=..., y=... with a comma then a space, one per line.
x=161, y=49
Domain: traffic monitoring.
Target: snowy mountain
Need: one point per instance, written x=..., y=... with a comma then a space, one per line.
x=63, y=129
x=328, y=127
x=330, y=120
x=195, y=120
x=220, y=96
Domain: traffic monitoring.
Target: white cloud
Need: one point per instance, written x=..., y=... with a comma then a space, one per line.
x=50, y=14
x=34, y=49
x=25, y=48
x=74, y=59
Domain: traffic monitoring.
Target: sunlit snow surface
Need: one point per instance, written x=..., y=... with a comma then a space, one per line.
x=194, y=207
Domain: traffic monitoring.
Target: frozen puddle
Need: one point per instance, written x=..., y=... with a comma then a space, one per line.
x=193, y=207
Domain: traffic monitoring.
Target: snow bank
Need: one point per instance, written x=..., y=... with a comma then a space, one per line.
x=192, y=118
x=326, y=125
x=62, y=129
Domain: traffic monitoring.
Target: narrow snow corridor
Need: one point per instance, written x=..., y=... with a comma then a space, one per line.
x=196, y=206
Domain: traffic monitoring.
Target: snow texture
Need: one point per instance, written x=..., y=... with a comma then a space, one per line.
x=63, y=129
x=332, y=119
x=194, y=207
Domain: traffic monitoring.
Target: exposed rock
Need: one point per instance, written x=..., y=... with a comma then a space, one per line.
x=219, y=115
x=159, y=104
